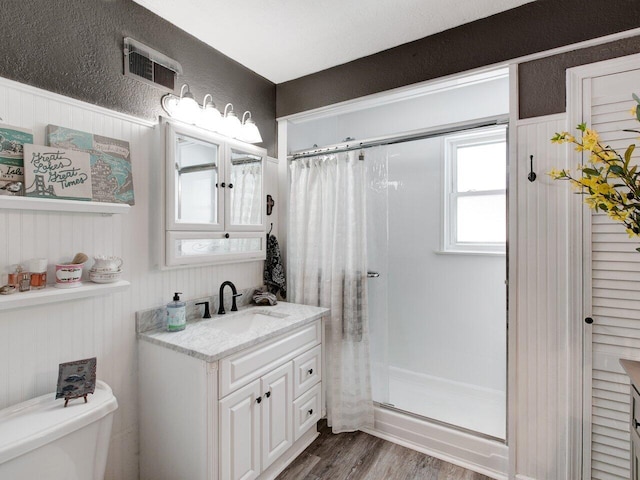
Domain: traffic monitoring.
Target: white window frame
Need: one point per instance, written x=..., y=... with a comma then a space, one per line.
x=449, y=224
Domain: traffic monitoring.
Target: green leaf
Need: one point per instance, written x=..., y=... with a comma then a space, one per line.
x=627, y=155
x=582, y=126
x=638, y=249
x=617, y=170
x=635, y=97
x=591, y=171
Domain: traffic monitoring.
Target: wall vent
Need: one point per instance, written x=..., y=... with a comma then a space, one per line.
x=149, y=66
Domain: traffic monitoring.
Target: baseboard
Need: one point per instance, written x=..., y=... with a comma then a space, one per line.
x=478, y=454
x=290, y=455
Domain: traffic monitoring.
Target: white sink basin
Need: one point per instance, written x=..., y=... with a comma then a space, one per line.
x=241, y=322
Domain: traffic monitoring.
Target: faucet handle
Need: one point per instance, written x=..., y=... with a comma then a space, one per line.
x=237, y=295
x=206, y=314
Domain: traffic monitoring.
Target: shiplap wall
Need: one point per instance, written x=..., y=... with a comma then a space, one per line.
x=546, y=406
x=35, y=340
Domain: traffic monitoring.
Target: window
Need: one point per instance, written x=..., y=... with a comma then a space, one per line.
x=475, y=191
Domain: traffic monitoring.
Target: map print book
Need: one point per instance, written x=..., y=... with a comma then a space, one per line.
x=53, y=172
x=111, y=175
x=12, y=140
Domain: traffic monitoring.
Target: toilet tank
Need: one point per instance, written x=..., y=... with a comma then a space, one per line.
x=40, y=439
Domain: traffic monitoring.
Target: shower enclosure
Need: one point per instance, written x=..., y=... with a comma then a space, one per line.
x=437, y=304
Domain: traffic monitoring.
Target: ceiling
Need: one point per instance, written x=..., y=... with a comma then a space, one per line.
x=286, y=39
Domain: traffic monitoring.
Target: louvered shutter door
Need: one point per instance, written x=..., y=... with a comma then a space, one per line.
x=614, y=286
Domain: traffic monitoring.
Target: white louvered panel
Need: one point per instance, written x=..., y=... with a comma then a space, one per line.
x=545, y=396
x=615, y=290
x=612, y=436
x=35, y=340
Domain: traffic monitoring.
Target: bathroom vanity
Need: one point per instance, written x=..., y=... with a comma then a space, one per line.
x=237, y=396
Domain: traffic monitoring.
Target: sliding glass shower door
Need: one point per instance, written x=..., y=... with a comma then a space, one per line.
x=436, y=236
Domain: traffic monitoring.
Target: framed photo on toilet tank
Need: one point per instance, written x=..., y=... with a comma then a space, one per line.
x=76, y=379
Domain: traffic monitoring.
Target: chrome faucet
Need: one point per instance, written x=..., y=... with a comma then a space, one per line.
x=234, y=294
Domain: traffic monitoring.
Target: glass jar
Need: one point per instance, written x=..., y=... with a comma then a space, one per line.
x=38, y=271
x=13, y=278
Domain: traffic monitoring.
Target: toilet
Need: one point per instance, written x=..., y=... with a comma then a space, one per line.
x=40, y=439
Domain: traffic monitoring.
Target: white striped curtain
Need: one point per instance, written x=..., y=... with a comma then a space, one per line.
x=327, y=267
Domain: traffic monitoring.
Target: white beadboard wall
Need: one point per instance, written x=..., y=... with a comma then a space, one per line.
x=35, y=340
x=546, y=441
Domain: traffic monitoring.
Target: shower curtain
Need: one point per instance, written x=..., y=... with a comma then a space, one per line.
x=327, y=267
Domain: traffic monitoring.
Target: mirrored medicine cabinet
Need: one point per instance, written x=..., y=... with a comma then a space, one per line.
x=214, y=197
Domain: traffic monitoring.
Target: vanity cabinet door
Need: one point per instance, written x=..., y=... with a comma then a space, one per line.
x=240, y=433
x=277, y=426
x=194, y=180
x=244, y=192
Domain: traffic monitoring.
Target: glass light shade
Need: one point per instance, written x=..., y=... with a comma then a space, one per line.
x=250, y=132
x=210, y=118
x=188, y=109
x=231, y=125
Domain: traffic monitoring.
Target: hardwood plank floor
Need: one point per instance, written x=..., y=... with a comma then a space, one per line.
x=359, y=456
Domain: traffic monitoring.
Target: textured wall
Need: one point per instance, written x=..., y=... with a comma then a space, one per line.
x=75, y=48
x=534, y=27
x=542, y=85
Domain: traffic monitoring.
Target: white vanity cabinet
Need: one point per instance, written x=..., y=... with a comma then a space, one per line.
x=245, y=416
x=214, y=197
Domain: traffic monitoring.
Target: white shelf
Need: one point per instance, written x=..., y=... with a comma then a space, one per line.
x=52, y=294
x=55, y=205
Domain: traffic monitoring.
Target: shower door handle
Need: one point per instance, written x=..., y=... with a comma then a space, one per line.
x=373, y=274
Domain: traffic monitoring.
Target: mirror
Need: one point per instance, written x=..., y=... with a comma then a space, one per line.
x=196, y=176
x=245, y=182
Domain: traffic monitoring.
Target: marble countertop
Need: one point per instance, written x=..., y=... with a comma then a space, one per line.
x=222, y=335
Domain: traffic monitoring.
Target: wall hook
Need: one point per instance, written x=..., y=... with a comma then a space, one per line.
x=532, y=175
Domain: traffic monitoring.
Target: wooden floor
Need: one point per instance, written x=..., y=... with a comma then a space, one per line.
x=359, y=456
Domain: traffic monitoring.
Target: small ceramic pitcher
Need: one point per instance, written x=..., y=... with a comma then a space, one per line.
x=103, y=263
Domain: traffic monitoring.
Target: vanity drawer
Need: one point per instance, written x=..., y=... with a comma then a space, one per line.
x=242, y=367
x=306, y=411
x=307, y=370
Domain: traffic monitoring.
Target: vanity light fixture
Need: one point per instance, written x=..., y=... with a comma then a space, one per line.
x=186, y=109
x=249, y=130
x=230, y=123
x=210, y=118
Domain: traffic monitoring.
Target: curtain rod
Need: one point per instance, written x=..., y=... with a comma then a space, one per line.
x=405, y=137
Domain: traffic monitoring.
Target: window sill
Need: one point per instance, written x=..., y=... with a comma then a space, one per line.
x=470, y=252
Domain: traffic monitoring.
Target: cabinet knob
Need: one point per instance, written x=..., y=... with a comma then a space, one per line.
x=636, y=424
x=226, y=235
x=268, y=394
x=311, y=411
x=310, y=371
x=259, y=399
x=223, y=184
x=231, y=185
x=588, y=320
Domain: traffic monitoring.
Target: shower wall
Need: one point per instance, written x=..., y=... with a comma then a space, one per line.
x=446, y=312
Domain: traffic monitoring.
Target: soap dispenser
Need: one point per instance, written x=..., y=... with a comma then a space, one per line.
x=176, y=314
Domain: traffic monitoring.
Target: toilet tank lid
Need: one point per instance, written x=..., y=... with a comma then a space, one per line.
x=36, y=422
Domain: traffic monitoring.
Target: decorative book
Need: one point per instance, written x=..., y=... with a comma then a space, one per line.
x=12, y=140
x=51, y=172
x=111, y=175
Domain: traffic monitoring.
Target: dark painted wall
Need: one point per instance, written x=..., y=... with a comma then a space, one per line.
x=542, y=83
x=531, y=28
x=74, y=47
